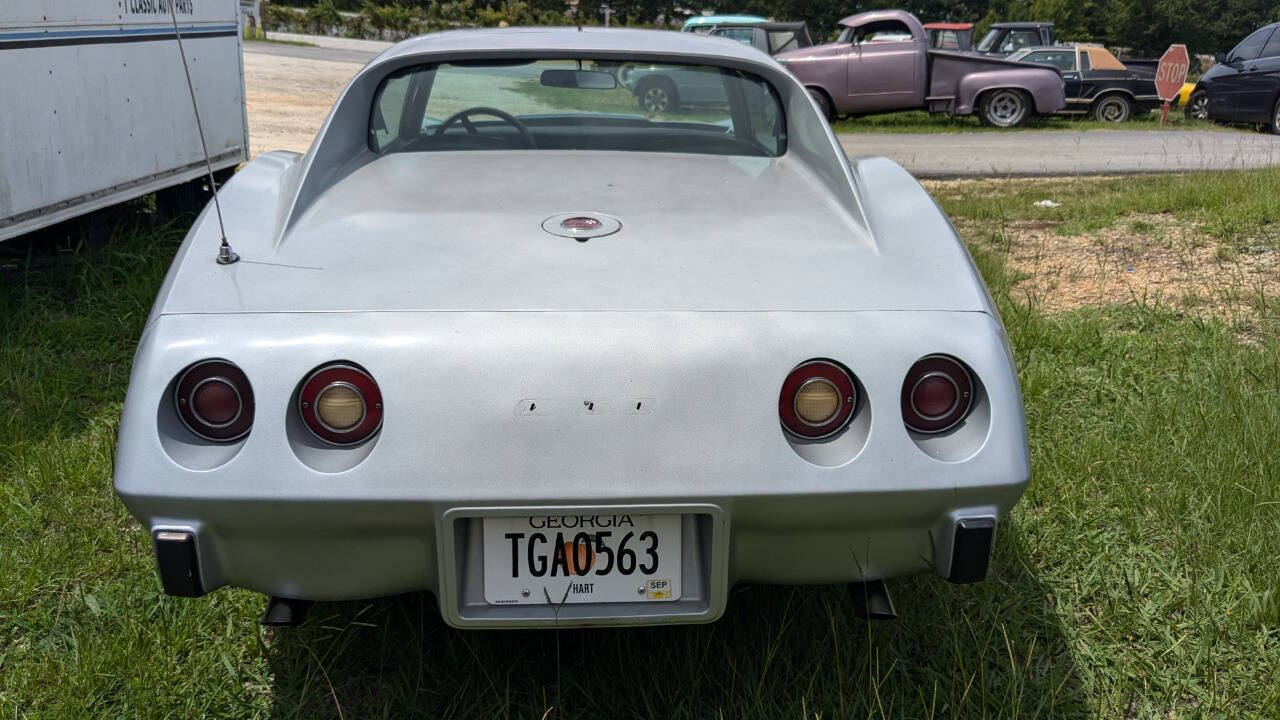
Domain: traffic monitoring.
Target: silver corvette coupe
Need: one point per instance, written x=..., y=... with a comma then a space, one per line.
x=503, y=336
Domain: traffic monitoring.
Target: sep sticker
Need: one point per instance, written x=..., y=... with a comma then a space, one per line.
x=657, y=589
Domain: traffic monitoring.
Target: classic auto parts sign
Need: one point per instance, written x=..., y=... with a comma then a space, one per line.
x=159, y=7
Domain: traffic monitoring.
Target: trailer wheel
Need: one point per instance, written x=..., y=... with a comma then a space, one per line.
x=1004, y=108
x=188, y=197
x=94, y=230
x=1112, y=108
x=222, y=176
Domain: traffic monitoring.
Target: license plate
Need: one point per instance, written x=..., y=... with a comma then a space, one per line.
x=555, y=559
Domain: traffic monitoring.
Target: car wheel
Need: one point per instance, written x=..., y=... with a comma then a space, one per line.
x=824, y=104
x=1005, y=108
x=658, y=96
x=1113, y=108
x=188, y=197
x=1274, y=125
x=1198, y=106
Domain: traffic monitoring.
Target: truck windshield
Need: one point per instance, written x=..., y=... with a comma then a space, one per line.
x=577, y=105
x=989, y=41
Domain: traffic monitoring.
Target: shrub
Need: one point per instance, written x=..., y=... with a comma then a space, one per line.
x=323, y=18
x=278, y=17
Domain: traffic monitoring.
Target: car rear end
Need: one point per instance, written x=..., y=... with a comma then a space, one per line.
x=684, y=423
x=597, y=400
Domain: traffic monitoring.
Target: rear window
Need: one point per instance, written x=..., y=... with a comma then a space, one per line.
x=783, y=40
x=944, y=39
x=577, y=105
x=1064, y=60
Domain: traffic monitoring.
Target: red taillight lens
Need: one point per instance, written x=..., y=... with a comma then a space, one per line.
x=341, y=404
x=818, y=399
x=214, y=400
x=937, y=394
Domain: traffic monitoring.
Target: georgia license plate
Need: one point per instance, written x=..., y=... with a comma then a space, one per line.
x=554, y=559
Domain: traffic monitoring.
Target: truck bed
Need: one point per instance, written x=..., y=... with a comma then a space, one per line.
x=956, y=78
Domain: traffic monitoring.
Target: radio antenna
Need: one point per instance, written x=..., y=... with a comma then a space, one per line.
x=226, y=255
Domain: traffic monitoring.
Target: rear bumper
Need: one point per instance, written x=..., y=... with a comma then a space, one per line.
x=666, y=410
x=345, y=550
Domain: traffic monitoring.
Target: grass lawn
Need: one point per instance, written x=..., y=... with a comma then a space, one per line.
x=918, y=121
x=1238, y=208
x=1140, y=576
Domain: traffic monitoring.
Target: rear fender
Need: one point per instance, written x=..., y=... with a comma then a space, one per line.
x=1044, y=88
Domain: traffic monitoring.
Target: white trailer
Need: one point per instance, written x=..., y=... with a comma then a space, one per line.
x=94, y=106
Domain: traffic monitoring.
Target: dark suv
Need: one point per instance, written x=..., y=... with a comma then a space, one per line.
x=1244, y=86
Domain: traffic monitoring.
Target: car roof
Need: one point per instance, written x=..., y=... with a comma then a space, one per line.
x=948, y=26
x=343, y=136
x=766, y=25
x=561, y=40
x=871, y=16
x=700, y=20
x=1021, y=25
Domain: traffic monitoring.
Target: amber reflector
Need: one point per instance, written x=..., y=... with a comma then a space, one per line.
x=341, y=404
x=340, y=407
x=817, y=402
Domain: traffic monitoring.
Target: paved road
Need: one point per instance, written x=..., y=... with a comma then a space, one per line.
x=976, y=154
x=1063, y=152
x=326, y=48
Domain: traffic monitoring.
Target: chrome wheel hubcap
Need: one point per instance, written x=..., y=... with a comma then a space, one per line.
x=656, y=100
x=1200, y=108
x=1006, y=107
x=1112, y=111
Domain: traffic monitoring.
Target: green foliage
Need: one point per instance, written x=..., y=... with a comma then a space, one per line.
x=1140, y=28
x=1236, y=208
x=394, y=19
x=322, y=17
x=277, y=17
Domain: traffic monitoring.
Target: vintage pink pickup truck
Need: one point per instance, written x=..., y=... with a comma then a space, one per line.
x=882, y=63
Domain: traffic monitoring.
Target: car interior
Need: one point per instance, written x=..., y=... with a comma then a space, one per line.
x=566, y=105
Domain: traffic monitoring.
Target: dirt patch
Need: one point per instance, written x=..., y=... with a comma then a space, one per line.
x=1140, y=259
x=288, y=98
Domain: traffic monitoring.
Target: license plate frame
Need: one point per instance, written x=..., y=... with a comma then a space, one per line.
x=576, y=558
x=458, y=567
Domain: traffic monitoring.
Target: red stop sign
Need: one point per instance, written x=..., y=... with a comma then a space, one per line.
x=1172, y=71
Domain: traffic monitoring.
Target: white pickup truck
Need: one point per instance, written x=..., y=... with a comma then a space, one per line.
x=96, y=109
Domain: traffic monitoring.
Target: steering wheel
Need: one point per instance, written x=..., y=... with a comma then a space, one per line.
x=464, y=117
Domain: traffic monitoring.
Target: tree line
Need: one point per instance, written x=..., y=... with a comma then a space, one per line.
x=1142, y=27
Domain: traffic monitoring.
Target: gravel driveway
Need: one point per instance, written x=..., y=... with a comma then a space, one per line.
x=1064, y=152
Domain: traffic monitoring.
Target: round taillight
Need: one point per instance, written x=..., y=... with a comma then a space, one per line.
x=214, y=400
x=341, y=404
x=818, y=399
x=937, y=394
